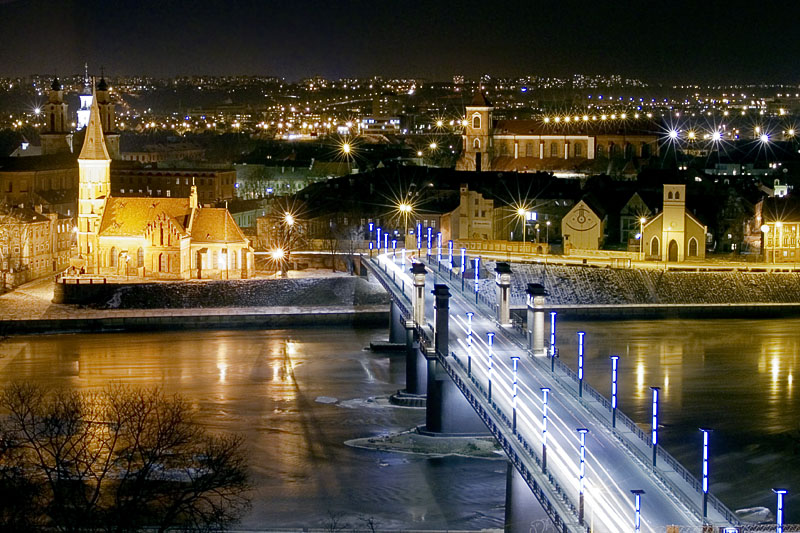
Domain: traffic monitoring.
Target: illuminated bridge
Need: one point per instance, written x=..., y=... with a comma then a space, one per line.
x=587, y=464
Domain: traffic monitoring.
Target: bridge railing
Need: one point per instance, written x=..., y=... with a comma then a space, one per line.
x=665, y=457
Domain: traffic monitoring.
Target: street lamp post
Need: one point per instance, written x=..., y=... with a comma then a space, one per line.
x=515, y=361
x=378, y=240
x=655, y=424
x=419, y=238
x=463, y=267
x=477, y=277
x=438, y=248
x=705, y=472
x=490, y=335
x=582, y=472
x=637, y=509
x=470, y=314
x=642, y=220
x=548, y=231
x=614, y=360
x=552, y=340
x=545, y=393
x=523, y=215
x=581, y=336
x=779, y=512
x=430, y=242
x=385, y=243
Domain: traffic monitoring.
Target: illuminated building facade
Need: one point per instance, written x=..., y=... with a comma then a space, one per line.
x=168, y=238
x=674, y=234
x=55, y=135
x=85, y=97
x=567, y=145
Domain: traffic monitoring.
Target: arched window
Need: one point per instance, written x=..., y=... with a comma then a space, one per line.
x=162, y=262
x=529, y=149
x=677, y=195
x=161, y=242
x=628, y=151
x=140, y=257
x=654, y=248
x=52, y=122
x=669, y=195
x=578, y=149
x=476, y=122
x=476, y=144
x=692, y=247
x=112, y=257
x=553, y=149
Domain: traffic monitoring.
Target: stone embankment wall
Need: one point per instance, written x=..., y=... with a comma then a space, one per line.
x=609, y=286
x=305, y=292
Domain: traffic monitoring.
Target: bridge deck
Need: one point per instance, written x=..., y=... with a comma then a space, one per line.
x=617, y=459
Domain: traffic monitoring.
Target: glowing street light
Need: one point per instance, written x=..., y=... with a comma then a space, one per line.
x=552, y=338
x=581, y=472
x=614, y=361
x=637, y=509
x=378, y=240
x=764, y=138
x=523, y=214
x=673, y=134
x=779, y=512
x=439, y=247
x=490, y=335
x=545, y=393
x=433, y=146
x=581, y=336
x=470, y=314
x=405, y=210
x=642, y=220
x=515, y=361
x=346, y=148
x=705, y=471
x=654, y=440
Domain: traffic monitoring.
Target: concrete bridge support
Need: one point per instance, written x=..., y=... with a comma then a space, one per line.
x=416, y=364
x=447, y=410
x=503, y=280
x=524, y=513
x=536, y=302
x=396, y=325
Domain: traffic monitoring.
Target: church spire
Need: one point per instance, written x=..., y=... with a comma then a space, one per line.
x=94, y=146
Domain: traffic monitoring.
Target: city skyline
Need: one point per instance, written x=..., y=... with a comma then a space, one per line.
x=408, y=39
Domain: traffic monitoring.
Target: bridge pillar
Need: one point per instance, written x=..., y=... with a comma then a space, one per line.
x=416, y=364
x=503, y=280
x=418, y=271
x=524, y=513
x=536, y=302
x=447, y=411
x=396, y=322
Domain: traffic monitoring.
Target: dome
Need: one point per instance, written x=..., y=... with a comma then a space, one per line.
x=102, y=85
x=56, y=85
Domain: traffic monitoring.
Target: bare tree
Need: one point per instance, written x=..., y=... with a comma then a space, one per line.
x=120, y=459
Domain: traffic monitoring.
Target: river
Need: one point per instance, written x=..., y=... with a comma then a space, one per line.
x=297, y=395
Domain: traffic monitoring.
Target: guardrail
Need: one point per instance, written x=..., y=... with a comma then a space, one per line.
x=666, y=458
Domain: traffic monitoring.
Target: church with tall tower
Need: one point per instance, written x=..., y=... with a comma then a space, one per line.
x=56, y=135
x=85, y=98
x=149, y=237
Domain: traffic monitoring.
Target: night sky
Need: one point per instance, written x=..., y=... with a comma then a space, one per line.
x=668, y=41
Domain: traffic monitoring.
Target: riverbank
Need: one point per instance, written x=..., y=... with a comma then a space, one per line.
x=311, y=298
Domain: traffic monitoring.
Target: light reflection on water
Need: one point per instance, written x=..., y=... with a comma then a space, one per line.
x=735, y=376
x=265, y=385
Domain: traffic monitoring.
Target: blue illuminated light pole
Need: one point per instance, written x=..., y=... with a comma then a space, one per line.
x=515, y=361
x=705, y=471
x=582, y=472
x=419, y=238
x=463, y=267
x=614, y=361
x=450, y=250
x=439, y=247
x=394, y=250
x=779, y=513
x=371, y=226
x=552, y=341
x=655, y=423
x=545, y=393
x=637, y=509
x=470, y=314
x=385, y=243
x=477, y=276
x=581, y=335
x=371, y=246
x=490, y=335
x=378, y=240
x=430, y=242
